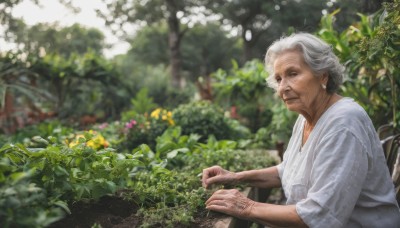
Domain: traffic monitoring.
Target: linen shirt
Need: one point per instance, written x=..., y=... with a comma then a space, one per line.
x=339, y=178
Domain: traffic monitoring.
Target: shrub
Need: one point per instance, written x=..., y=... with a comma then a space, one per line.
x=44, y=129
x=244, y=89
x=145, y=129
x=204, y=118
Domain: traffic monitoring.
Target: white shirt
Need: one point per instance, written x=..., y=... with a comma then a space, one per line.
x=340, y=177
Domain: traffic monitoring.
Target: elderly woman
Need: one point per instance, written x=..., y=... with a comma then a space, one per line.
x=333, y=172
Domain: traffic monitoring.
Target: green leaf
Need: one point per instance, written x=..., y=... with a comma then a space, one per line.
x=175, y=152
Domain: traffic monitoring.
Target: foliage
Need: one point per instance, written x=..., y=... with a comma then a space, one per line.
x=150, y=45
x=380, y=54
x=15, y=76
x=369, y=50
x=203, y=48
x=171, y=193
x=204, y=118
x=350, y=9
x=260, y=22
x=25, y=204
x=43, y=38
x=155, y=78
x=153, y=12
x=17, y=88
x=114, y=132
x=65, y=87
x=45, y=129
x=96, y=142
x=206, y=48
x=60, y=174
x=164, y=183
x=245, y=89
x=81, y=85
x=145, y=128
x=142, y=103
x=279, y=129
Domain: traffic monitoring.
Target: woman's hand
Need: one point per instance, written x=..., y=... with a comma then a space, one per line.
x=230, y=202
x=217, y=175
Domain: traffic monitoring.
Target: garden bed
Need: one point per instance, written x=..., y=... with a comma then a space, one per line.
x=118, y=213
x=105, y=188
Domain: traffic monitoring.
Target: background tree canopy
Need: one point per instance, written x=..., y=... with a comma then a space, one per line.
x=177, y=50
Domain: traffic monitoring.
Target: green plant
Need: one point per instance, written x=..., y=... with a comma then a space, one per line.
x=114, y=132
x=164, y=183
x=204, y=118
x=141, y=104
x=144, y=129
x=56, y=174
x=168, y=187
x=245, y=90
x=369, y=49
x=45, y=129
x=379, y=56
x=24, y=204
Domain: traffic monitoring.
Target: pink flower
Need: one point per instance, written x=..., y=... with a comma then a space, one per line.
x=103, y=125
x=130, y=124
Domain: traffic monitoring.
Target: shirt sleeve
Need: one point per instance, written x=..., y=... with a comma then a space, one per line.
x=337, y=176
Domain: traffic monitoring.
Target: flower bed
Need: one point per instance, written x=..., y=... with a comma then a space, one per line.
x=159, y=188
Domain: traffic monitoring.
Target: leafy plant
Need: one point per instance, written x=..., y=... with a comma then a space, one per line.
x=204, y=118
x=141, y=104
x=56, y=174
x=24, y=204
x=168, y=187
x=369, y=50
x=244, y=89
x=144, y=129
x=45, y=129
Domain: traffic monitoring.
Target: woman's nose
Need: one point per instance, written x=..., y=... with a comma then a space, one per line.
x=282, y=86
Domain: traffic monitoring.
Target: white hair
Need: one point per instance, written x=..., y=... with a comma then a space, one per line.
x=317, y=54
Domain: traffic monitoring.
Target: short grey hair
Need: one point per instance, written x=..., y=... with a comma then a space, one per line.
x=317, y=54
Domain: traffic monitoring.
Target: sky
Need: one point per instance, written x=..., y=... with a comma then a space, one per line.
x=52, y=11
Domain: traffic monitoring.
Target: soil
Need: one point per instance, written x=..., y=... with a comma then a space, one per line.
x=114, y=212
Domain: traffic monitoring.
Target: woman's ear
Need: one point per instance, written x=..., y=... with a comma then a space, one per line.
x=325, y=78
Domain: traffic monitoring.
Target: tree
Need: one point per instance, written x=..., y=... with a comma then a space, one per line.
x=152, y=12
x=50, y=38
x=12, y=24
x=149, y=46
x=205, y=48
x=6, y=18
x=369, y=49
x=260, y=21
x=349, y=10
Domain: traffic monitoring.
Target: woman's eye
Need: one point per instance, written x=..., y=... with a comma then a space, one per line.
x=292, y=73
x=278, y=80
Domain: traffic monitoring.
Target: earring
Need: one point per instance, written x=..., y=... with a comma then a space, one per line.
x=323, y=86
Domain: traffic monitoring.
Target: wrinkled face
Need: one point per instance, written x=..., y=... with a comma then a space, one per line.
x=297, y=85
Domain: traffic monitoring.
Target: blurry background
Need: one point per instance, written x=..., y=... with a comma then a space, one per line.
x=96, y=61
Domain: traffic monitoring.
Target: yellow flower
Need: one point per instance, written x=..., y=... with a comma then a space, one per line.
x=156, y=113
x=162, y=114
x=96, y=142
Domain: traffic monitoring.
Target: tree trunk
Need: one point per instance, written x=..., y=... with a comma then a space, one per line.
x=247, y=52
x=251, y=43
x=8, y=122
x=174, y=40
